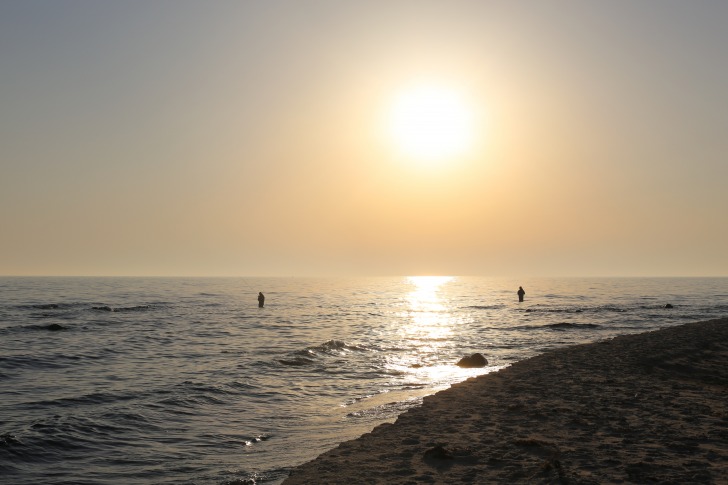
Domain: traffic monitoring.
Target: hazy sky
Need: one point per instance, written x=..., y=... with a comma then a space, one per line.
x=253, y=138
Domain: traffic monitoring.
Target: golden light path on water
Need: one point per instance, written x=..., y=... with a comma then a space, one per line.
x=432, y=327
x=429, y=319
x=428, y=329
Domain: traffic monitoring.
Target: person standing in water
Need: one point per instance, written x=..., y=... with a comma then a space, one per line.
x=520, y=293
x=261, y=299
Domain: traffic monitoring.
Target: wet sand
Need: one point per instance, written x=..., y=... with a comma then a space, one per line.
x=647, y=408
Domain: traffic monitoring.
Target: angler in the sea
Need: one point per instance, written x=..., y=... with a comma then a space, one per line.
x=521, y=293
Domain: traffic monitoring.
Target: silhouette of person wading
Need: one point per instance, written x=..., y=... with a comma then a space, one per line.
x=520, y=293
x=261, y=299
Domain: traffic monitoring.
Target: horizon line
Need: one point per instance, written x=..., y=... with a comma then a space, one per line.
x=334, y=276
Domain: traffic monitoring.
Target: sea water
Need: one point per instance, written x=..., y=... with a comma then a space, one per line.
x=188, y=381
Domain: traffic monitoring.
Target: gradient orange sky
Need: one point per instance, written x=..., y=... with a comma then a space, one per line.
x=250, y=138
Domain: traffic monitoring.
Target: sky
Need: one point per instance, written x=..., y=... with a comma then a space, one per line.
x=255, y=138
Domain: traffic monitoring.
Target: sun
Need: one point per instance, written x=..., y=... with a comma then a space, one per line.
x=431, y=123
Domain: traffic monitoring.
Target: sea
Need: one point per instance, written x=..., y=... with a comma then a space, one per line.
x=188, y=381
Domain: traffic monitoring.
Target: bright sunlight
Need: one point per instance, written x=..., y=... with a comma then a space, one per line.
x=431, y=123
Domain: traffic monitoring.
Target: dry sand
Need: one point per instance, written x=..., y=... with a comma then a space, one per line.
x=647, y=408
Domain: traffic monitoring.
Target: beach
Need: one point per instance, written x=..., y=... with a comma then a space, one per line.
x=644, y=408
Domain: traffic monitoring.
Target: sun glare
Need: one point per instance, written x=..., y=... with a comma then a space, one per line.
x=428, y=313
x=431, y=122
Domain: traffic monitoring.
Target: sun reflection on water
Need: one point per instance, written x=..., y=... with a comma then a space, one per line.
x=429, y=319
x=429, y=328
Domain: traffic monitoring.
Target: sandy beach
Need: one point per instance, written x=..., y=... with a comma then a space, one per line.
x=647, y=408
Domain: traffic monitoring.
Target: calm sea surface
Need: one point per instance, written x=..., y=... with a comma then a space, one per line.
x=187, y=381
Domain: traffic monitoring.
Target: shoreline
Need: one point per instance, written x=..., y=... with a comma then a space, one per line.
x=650, y=407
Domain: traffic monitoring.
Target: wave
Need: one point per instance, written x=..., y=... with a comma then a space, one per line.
x=54, y=360
x=596, y=309
x=104, y=308
x=201, y=387
x=85, y=306
x=602, y=308
x=107, y=308
x=297, y=361
x=553, y=310
x=51, y=306
x=94, y=398
x=336, y=346
x=191, y=402
x=46, y=306
x=556, y=326
x=29, y=362
x=387, y=410
x=311, y=355
x=60, y=438
x=255, y=439
x=53, y=327
x=569, y=326
x=661, y=306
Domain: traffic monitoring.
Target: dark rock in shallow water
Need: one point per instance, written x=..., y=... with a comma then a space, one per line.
x=475, y=360
x=669, y=306
x=55, y=326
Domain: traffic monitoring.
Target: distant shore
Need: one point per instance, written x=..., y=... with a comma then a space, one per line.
x=646, y=408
